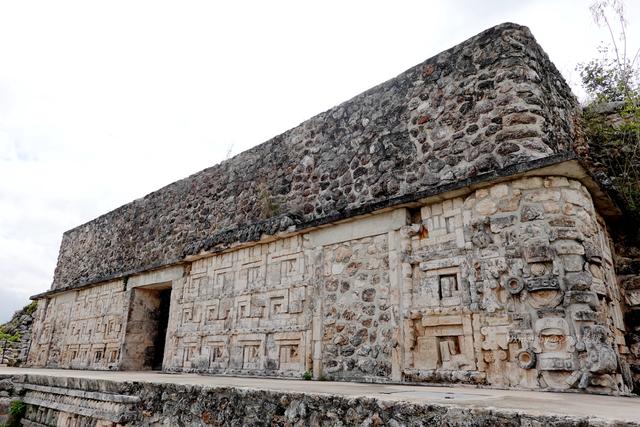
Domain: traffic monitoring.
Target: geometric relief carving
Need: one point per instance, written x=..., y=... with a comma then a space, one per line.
x=85, y=323
x=243, y=309
x=112, y=355
x=253, y=277
x=249, y=351
x=187, y=315
x=290, y=355
x=83, y=353
x=444, y=342
x=244, y=297
x=211, y=311
x=276, y=306
x=437, y=288
x=448, y=285
x=224, y=311
x=190, y=353
x=287, y=267
x=222, y=295
x=113, y=327
x=289, y=351
x=258, y=307
x=245, y=302
x=216, y=353
x=296, y=299
x=224, y=282
x=218, y=350
x=443, y=223
x=71, y=354
x=98, y=354
x=192, y=287
x=251, y=355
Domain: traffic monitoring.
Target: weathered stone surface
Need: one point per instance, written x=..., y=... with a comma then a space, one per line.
x=445, y=294
x=67, y=401
x=409, y=135
x=396, y=237
x=14, y=352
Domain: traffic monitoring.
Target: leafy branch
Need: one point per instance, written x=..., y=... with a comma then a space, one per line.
x=612, y=118
x=611, y=77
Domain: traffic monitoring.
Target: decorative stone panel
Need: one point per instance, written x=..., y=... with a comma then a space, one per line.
x=510, y=285
x=243, y=312
x=64, y=406
x=81, y=329
x=533, y=279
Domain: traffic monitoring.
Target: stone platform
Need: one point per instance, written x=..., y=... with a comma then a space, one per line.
x=153, y=398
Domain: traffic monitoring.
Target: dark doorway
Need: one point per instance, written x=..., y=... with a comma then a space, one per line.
x=163, y=322
x=146, y=330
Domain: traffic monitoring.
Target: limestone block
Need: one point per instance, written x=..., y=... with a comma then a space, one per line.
x=499, y=190
x=577, y=198
x=573, y=263
x=485, y=207
x=538, y=251
x=556, y=181
x=542, y=195
x=568, y=247
x=528, y=183
x=632, y=297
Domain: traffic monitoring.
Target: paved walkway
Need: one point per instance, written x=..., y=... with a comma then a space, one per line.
x=605, y=408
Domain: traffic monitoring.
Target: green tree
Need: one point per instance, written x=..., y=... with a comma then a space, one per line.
x=613, y=76
x=17, y=409
x=612, y=115
x=6, y=337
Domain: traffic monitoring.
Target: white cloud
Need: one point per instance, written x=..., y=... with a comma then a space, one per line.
x=8, y=151
x=101, y=103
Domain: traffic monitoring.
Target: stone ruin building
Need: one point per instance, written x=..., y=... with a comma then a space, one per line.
x=437, y=228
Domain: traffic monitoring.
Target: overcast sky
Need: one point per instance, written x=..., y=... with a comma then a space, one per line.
x=104, y=102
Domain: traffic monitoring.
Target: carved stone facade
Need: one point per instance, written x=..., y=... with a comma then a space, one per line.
x=243, y=312
x=437, y=228
x=82, y=329
x=514, y=284
x=510, y=285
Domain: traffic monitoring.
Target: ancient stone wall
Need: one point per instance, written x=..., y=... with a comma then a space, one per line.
x=77, y=402
x=81, y=329
x=628, y=272
x=400, y=236
x=246, y=311
x=486, y=107
x=514, y=284
x=7, y=396
x=358, y=309
x=14, y=348
x=609, y=156
x=509, y=285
